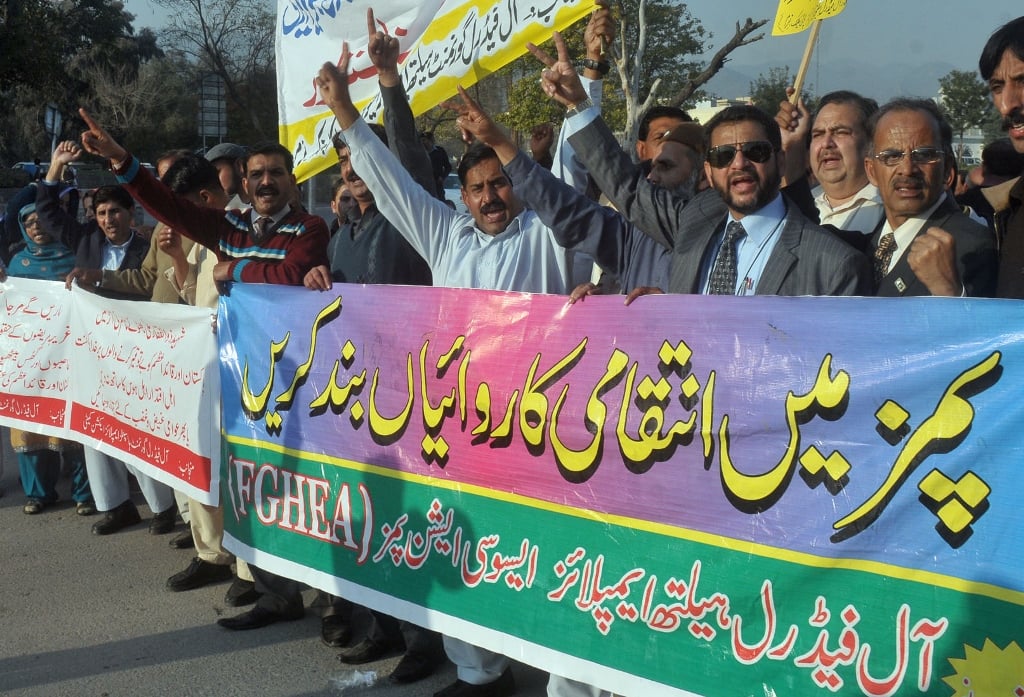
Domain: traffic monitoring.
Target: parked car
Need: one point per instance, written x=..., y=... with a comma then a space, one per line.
x=453, y=192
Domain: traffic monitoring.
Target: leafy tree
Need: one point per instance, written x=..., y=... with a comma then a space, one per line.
x=767, y=91
x=965, y=101
x=49, y=50
x=233, y=39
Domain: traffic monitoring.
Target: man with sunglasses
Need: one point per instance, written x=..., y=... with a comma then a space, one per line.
x=925, y=245
x=777, y=251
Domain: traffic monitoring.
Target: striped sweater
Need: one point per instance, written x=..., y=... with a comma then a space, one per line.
x=298, y=243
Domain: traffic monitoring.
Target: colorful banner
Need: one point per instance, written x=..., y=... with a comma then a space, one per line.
x=443, y=43
x=794, y=16
x=136, y=380
x=687, y=496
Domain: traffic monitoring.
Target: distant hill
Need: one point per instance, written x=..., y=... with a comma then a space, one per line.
x=881, y=82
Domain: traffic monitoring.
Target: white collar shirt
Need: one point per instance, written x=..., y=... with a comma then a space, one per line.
x=862, y=213
x=523, y=257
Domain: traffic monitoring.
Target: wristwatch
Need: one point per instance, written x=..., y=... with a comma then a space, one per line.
x=579, y=106
x=600, y=66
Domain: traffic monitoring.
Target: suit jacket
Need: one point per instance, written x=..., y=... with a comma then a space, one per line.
x=90, y=256
x=806, y=259
x=976, y=257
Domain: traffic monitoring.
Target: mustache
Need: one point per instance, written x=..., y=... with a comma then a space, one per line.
x=1015, y=119
x=267, y=190
x=900, y=182
x=495, y=207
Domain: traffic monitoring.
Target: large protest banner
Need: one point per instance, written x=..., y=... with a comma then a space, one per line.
x=443, y=43
x=688, y=496
x=136, y=380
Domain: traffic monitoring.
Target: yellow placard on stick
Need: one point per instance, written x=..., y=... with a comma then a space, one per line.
x=794, y=16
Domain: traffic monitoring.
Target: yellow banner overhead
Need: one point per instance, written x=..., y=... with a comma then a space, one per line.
x=444, y=43
x=794, y=16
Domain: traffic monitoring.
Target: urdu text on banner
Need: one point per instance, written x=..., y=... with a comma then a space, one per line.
x=687, y=496
x=136, y=380
x=443, y=44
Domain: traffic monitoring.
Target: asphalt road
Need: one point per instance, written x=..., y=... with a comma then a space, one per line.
x=89, y=616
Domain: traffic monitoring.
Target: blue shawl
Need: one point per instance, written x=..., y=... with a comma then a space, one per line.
x=47, y=262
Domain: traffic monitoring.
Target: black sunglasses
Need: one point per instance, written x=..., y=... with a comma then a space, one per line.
x=758, y=151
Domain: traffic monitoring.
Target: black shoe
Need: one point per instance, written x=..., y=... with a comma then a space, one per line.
x=163, y=522
x=415, y=666
x=118, y=518
x=241, y=593
x=258, y=617
x=183, y=541
x=365, y=651
x=504, y=686
x=85, y=508
x=33, y=506
x=198, y=574
x=335, y=631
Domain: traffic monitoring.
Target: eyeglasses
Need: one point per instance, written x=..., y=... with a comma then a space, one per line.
x=758, y=151
x=32, y=222
x=919, y=156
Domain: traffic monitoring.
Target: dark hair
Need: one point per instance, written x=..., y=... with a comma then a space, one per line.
x=865, y=105
x=336, y=183
x=660, y=111
x=744, y=112
x=191, y=173
x=477, y=153
x=116, y=194
x=999, y=158
x=1009, y=36
x=927, y=106
x=173, y=155
x=338, y=140
x=271, y=148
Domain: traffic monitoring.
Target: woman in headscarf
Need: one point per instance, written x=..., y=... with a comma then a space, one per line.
x=39, y=457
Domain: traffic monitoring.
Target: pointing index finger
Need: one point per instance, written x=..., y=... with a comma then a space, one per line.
x=371, y=23
x=93, y=126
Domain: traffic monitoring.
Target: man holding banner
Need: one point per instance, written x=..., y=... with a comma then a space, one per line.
x=271, y=243
x=370, y=250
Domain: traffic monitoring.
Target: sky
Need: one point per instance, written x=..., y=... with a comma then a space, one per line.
x=890, y=34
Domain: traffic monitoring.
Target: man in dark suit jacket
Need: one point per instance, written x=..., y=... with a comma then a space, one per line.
x=792, y=256
x=925, y=245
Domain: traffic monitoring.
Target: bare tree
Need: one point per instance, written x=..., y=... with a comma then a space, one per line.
x=233, y=39
x=630, y=62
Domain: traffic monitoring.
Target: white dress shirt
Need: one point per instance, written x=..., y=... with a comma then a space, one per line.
x=523, y=257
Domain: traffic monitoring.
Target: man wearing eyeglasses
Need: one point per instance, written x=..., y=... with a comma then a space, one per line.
x=925, y=245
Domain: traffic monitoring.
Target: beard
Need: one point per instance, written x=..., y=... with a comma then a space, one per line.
x=766, y=189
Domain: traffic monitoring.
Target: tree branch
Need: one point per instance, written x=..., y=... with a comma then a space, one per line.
x=742, y=37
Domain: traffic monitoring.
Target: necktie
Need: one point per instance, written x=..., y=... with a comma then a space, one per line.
x=723, y=274
x=883, y=255
x=261, y=229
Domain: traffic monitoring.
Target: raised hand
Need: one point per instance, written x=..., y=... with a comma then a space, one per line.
x=383, y=51
x=98, y=142
x=600, y=31
x=932, y=258
x=474, y=123
x=332, y=81
x=67, y=151
x=559, y=79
